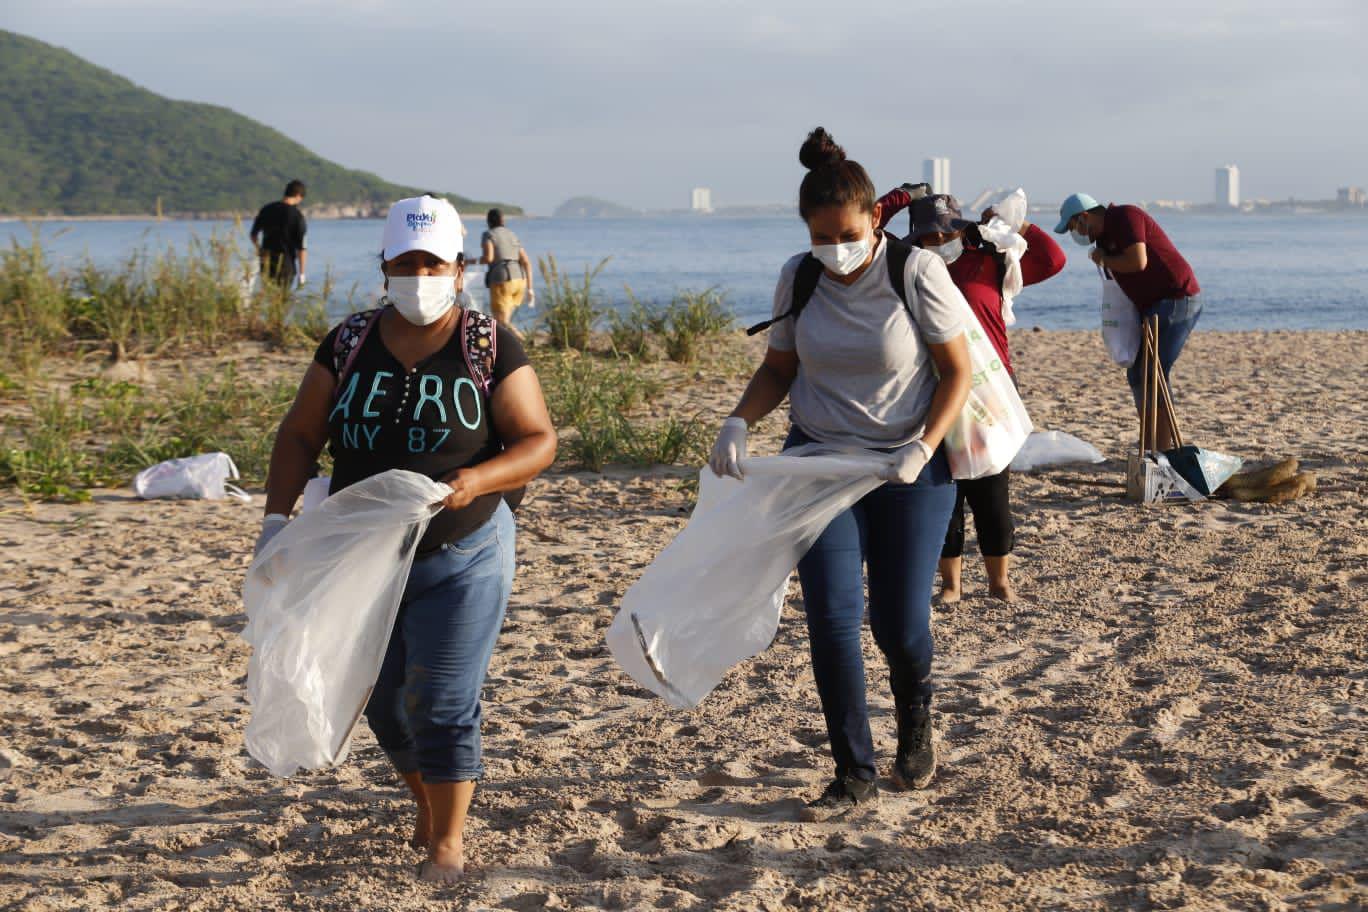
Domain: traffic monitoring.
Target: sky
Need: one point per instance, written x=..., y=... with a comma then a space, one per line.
x=638, y=101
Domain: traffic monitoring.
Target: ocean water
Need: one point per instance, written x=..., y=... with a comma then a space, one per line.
x=1256, y=272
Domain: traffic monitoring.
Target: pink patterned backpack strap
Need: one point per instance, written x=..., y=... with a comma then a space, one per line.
x=479, y=344
x=351, y=335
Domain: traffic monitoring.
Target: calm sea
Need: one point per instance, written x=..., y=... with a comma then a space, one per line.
x=1256, y=272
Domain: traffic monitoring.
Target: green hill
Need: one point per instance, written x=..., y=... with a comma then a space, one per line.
x=76, y=139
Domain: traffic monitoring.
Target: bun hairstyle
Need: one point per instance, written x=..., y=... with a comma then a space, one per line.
x=832, y=179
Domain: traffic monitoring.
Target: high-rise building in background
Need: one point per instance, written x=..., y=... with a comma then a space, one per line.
x=702, y=200
x=1352, y=196
x=936, y=172
x=1228, y=186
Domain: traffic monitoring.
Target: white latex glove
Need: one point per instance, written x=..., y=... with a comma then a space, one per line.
x=302, y=279
x=729, y=449
x=270, y=528
x=908, y=463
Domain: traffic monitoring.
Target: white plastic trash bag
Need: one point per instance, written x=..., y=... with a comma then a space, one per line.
x=1048, y=448
x=1012, y=209
x=712, y=598
x=1120, y=323
x=321, y=600
x=315, y=492
x=993, y=424
x=1003, y=231
x=203, y=477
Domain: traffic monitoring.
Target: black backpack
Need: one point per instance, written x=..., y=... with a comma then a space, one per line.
x=810, y=273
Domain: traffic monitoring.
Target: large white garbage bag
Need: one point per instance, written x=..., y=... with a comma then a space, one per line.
x=712, y=598
x=993, y=424
x=1120, y=323
x=1047, y=448
x=321, y=600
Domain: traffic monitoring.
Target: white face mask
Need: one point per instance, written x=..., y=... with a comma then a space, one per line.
x=422, y=299
x=1080, y=237
x=842, y=259
x=949, y=251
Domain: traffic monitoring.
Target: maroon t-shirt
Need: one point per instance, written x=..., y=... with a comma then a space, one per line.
x=1166, y=273
x=979, y=278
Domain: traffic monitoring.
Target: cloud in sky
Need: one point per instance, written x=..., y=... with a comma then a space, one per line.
x=638, y=102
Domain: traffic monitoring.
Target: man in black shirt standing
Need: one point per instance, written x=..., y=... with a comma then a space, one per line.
x=278, y=236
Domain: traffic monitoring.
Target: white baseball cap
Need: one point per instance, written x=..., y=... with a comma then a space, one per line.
x=423, y=223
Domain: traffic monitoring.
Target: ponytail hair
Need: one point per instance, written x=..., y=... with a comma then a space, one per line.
x=832, y=179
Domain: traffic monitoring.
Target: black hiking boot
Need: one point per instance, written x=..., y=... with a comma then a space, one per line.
x=842, y=795
x=915, y=765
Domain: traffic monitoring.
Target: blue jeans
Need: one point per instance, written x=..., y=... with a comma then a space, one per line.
x=1177, y=317
x=897, y=531
x=425, y=708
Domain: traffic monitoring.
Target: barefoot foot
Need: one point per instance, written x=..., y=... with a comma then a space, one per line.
x=445, y=864
x=431, y=872
x=1004, y=593
x=422, y=829
x=950, y=596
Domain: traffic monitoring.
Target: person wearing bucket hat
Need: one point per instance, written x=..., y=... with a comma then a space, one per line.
x=424, y=385
x=978, y=271
x=1135, y=251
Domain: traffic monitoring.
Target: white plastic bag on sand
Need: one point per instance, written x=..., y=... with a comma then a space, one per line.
x=712, y=598
x=203, y=477
x=321, y=600
x=1120, y=323
x=1003, y=231
x=1048, y=448
x=993, y=424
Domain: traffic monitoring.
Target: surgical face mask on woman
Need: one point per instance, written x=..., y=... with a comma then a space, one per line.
x=842, y=259
x=422, y=300
x=949, y=251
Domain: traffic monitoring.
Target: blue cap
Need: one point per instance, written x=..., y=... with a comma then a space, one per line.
x=1079, y=202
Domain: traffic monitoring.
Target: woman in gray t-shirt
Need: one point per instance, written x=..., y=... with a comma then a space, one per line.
x=864, y=367
x=509, y=275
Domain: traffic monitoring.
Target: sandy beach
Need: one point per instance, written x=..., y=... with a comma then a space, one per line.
x=1174, y=715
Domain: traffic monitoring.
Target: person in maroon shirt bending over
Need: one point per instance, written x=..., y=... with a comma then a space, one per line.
x=1139, y=255
x=978, y=272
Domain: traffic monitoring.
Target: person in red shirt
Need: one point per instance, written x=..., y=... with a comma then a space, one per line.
x=978, y=271
x=1145, y=263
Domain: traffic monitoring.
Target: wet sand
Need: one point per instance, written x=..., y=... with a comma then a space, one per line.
x=1173, y=716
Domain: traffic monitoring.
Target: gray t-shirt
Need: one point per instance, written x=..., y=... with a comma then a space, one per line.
x=506, y=246
x=865, y=375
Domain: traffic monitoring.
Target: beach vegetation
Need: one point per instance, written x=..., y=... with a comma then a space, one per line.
x=689, y=320
x=602, y=407
x=99, y=433
x=631, y=330
x=152, y=303
x=570, y=307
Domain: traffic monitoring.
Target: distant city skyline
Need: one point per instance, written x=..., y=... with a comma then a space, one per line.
x=632, y=102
